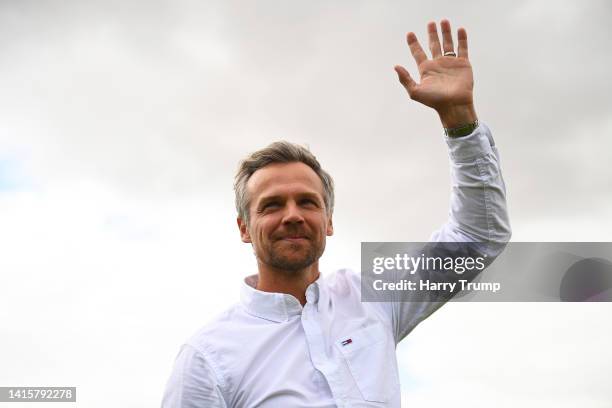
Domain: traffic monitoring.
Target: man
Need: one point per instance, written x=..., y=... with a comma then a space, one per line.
x=298, y=339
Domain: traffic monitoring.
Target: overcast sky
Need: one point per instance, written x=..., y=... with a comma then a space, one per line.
x=122, y=123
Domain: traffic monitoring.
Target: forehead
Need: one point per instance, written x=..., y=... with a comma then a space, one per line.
x=284, y=178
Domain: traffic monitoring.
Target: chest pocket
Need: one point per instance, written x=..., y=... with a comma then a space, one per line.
x=371, y=360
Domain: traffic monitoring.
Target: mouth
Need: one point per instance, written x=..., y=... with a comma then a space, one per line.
x=294, y=238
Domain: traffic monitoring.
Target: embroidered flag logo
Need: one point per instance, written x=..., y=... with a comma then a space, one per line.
x=347, y=342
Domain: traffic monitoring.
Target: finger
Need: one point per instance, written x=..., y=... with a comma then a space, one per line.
x=447, y=36
x=462, y=49
x=434, y=41
x=406, y=80
x=415, y=48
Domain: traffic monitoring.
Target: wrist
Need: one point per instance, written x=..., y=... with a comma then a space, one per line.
x=461, y=131
x=458, y=116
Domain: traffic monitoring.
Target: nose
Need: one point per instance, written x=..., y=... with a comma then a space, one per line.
x=293, y=214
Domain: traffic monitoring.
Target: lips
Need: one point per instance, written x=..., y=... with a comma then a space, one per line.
x=293, y=238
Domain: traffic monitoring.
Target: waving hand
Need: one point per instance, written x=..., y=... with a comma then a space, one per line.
x=446, y=79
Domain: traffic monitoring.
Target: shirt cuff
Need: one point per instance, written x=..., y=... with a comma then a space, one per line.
x=477, y=144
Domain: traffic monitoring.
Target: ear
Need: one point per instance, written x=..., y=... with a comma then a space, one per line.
x=330, y=227
x=244, y=230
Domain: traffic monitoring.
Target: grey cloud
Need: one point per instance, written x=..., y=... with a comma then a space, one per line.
x=165, y=97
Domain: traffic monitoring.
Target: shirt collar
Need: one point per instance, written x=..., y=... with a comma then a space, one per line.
x=277, y=307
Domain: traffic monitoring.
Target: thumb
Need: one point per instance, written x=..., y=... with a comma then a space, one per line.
x=406, y=80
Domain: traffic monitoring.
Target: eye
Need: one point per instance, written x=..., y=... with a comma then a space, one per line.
x=309, y=201
x=269, y=205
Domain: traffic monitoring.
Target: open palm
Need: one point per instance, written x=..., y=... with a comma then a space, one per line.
x=446, y=79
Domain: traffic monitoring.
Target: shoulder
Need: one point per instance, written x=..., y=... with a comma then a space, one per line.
x=206, y=337
x=198, y=377
x=201, y=355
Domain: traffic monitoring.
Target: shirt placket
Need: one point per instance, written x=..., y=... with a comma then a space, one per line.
x=315, y=339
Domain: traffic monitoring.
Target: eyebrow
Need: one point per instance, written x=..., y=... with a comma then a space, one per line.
x=268, y=199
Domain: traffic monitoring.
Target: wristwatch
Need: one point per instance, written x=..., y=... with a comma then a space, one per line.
x=461, y=131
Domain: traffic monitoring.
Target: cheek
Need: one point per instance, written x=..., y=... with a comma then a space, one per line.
x=320, y=225
x=264, y=228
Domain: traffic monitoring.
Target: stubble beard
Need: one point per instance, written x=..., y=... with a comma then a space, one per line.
x=290, y=263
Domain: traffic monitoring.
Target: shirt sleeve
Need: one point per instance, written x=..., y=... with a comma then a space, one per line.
x=193, y=383
x=478, y=213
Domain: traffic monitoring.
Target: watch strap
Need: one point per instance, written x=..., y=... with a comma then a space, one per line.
x=462, y=130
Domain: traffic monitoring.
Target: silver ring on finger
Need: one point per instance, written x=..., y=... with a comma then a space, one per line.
x=450, y=54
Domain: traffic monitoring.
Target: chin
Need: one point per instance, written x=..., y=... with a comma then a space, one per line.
x=292, y=263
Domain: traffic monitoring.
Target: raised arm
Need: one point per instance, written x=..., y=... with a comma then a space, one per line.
x=478, y=211
x=478, y=200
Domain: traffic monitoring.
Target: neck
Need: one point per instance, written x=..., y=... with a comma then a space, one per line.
x=290, y=282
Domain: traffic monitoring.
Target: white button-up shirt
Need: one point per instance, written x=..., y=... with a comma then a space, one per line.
x=268, y=351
